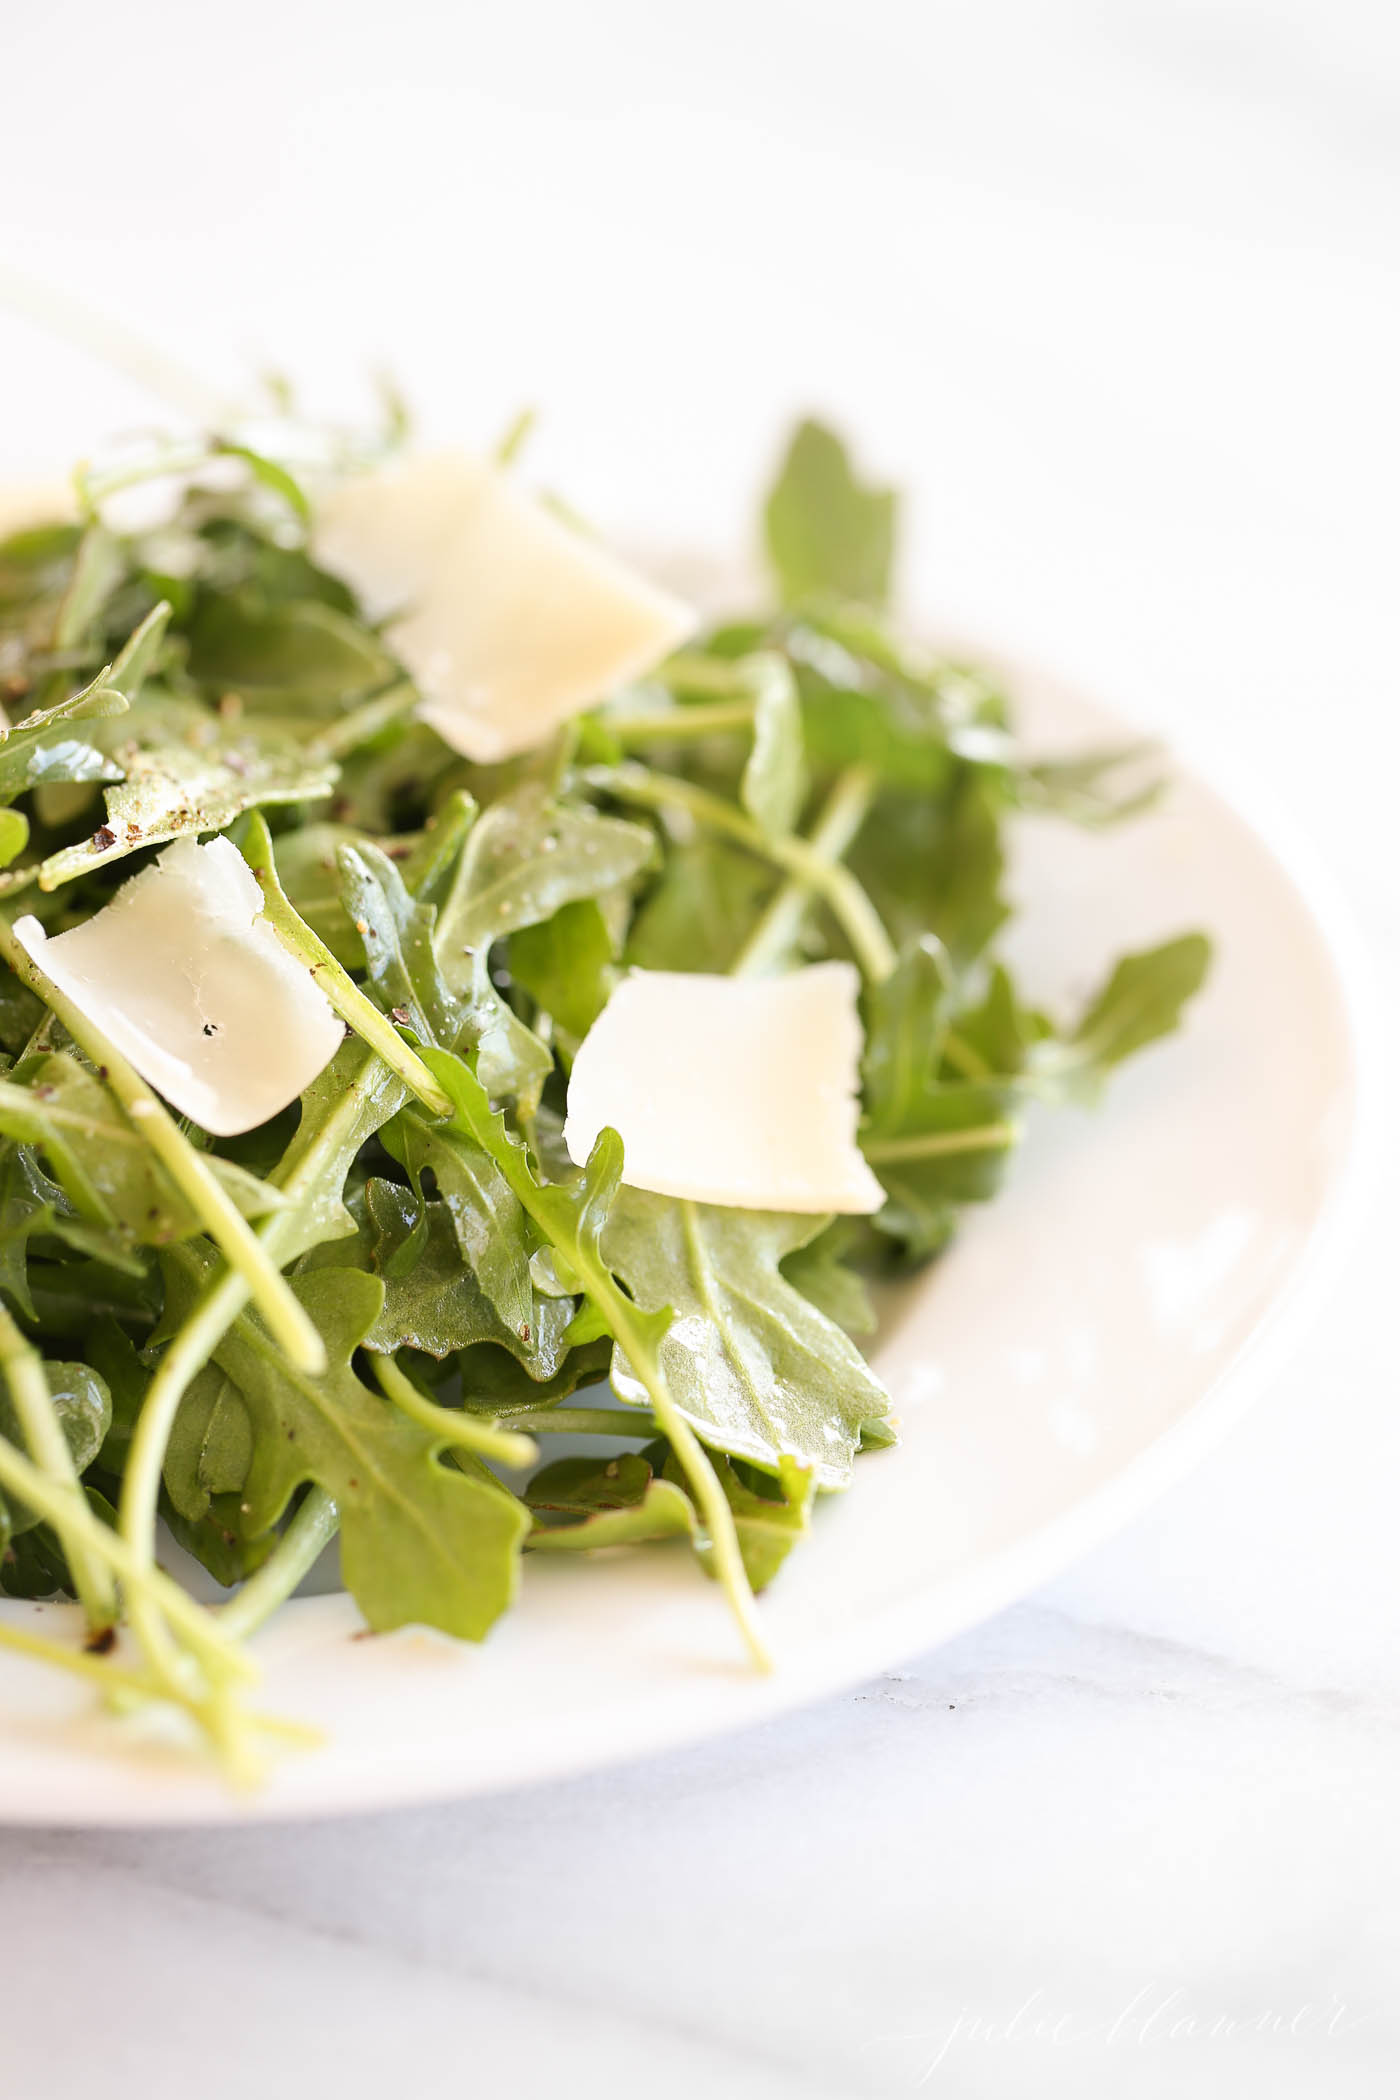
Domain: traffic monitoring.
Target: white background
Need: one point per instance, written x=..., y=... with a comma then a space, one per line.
x=1112, y=289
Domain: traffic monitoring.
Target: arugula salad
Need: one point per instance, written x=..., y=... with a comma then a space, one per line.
x=452, y=996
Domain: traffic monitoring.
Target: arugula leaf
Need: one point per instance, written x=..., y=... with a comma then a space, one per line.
x=31, y=754
x=637, y=1498
x=84, y=1409
x=699, y=912
x=173, y=788
x=211, y=1445
x=422, y=1542
x=496, y=1383
x=301, y=656
x=774, y=783
x=756, y=1368
x=821, y=1271
x=934, y=866
x=1089, y=788
x=484, y=1216
x=582, y=1503
x=444, y=998
x=525, y=857
x=433, y=1301
x=565, y=963
x=826, y=532
x=103, y=1164
x=1142, y=1000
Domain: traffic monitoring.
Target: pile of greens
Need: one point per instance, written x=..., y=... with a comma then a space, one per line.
x=361, y=1317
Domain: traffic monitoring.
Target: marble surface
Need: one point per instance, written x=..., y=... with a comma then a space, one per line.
x=1115, y=289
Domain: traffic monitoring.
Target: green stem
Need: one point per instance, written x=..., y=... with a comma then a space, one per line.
x=67, y=1510
x=700, y=1475
x=198, y=1337
x=356, y=1009
x=587, y=1421
x=464, y=1431
x=295, y=1554
x=775, y=934
x=835, y=884
x=362, y=723
x=43, y=1432
x=938, y=1144
x=214, y=1208
x=963, y=1058
x=675, y=723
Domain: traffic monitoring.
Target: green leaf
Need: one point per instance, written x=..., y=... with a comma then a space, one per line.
x=582, y=1503
x=950, y=1149
x=173, y=788
x=934, y=1143
x=14, y=835
x=432, y=1299
x=640, y=1498
x=301, y=657
x=828, y=533
x=774, y=783
x=525, y=857
x=484, y=1218
x=756, y=1368
x=341, y=1111
x=97, y=570
x=422, y=1542
x=701, y=909
x=211, y=1445
x=998, y=1031
x=309, y=872
x=105, y=1167
x=1143, y=1000
x=1094, y=788
x=868, y=701
x=84, y=1409
x=821, y=1271
x=566, y=964
x=906, y=1018
x=495, y=1383
x=271, y=475
x=935, y=866
x=446, y=999
x=31, y=754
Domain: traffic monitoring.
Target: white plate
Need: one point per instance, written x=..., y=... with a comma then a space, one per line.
x=1086, y=1339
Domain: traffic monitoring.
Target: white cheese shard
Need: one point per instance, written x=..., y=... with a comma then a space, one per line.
x=508, y=619
x=184, y=975
x=732, y=1090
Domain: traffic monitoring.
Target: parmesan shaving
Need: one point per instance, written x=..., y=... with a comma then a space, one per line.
x=509, y=620
x=730, y=1090
x=184, y=975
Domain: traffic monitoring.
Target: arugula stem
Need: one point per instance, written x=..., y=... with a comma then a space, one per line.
x=355, y=1007
x=829, y=880
x=675, y=723
x=43, y=1432
x=832, y=835
x=198, y=1337
x=938, y=1144
x=362, y=723
x=190, y=1172
x=588, y=1421
x=295, y=1554
x=465, y=1431
x=628, y=1326
x=66, y=1509
x=963, y=1058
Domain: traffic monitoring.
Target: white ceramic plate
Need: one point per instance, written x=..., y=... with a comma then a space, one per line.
x=1086, y=1339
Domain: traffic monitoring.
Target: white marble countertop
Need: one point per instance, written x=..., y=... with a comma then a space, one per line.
x=1114, y=289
